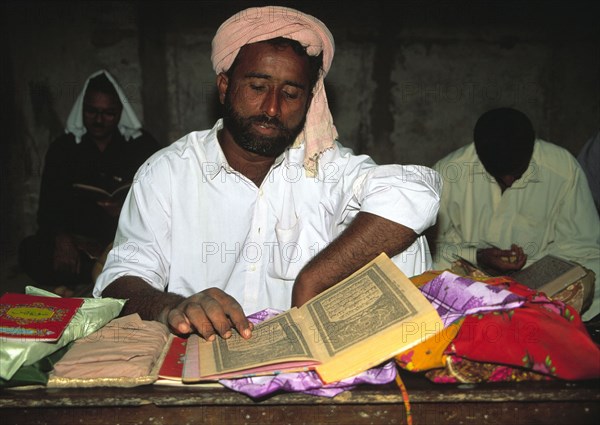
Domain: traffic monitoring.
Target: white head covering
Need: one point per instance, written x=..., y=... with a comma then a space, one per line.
x=263, y=23
x=129, y=125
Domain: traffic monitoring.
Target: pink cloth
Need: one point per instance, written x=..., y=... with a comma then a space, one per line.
x=127, y=347
x=264, y=23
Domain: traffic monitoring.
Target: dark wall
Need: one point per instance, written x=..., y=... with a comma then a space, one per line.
x=408, y=81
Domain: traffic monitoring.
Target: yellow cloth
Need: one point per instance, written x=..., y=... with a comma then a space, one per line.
x=263, y=23
x=549, y=210
x=430, y=353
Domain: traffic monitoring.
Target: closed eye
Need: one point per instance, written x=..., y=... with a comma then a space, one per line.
x=257, y=87
x=291, y=95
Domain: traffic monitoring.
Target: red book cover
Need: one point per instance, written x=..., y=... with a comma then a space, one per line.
x=35, y=318
x=172, y=365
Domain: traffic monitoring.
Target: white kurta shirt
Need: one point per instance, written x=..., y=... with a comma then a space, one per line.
x=191, y=222
x=549, y=210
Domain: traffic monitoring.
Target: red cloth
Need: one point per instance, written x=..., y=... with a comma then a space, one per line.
x=545, y=336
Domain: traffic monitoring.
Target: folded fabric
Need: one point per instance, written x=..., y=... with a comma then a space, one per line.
x=35, y=374
x=309, y=382
x=545, y=336
x=505, y=332
x=455, y=296
x=431, y=353
x=127, y=347
x=92, y=315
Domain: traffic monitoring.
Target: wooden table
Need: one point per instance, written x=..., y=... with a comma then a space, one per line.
x=554, y=403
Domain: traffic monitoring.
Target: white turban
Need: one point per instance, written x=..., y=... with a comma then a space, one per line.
x=129, y=125
x=264, y=23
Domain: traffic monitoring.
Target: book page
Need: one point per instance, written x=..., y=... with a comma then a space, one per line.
x=90, y=188
x=369, y=318
x=277, y=340
x=343, y=319
x=120, y=191
x=546, y=270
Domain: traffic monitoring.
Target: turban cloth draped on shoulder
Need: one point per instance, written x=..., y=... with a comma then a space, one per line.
x=263, y=23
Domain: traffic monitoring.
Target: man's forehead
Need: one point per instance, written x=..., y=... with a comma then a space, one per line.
x=95, y=96
x=263, y=54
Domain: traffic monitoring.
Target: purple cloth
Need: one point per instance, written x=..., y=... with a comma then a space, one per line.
x=306, y=382
x=455, y=296
x=261, y=316
x=309, y=382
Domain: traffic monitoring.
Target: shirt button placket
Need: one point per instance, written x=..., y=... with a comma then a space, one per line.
x=255, y=264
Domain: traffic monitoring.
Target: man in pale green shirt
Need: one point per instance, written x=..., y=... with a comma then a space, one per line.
x=509, y=199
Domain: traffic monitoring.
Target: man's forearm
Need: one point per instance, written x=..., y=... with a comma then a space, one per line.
x=148, y=302
x=366, y=237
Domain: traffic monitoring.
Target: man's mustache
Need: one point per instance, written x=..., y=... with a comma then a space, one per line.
x=274, y=122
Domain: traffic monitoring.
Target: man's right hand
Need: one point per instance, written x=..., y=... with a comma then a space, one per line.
x=209, y=313
x=502, y=260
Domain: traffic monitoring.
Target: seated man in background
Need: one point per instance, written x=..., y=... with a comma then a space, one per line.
x=266, y=209
x=509, y=199
x=589, y=159
x=103, y=146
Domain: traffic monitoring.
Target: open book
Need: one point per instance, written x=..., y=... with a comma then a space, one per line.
x=364, y=320
x=99, y=193
x=550, y=274
x=556, y=277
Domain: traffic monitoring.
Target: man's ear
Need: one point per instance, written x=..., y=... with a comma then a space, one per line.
x=222, y=84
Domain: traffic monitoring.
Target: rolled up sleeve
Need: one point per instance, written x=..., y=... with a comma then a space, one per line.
x=406, y=194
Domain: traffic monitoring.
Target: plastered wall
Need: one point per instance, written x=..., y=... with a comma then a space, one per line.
x=408, y=81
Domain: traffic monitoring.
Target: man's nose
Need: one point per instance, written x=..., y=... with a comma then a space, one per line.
x=271, y=104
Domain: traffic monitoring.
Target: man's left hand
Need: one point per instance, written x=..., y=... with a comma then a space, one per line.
x=502, y=260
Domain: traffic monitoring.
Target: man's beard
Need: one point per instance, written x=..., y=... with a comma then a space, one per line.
x=241, y=130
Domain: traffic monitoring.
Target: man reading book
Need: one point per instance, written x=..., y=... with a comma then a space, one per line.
x=266, y=209
x=510, y=199
x=103, y=146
